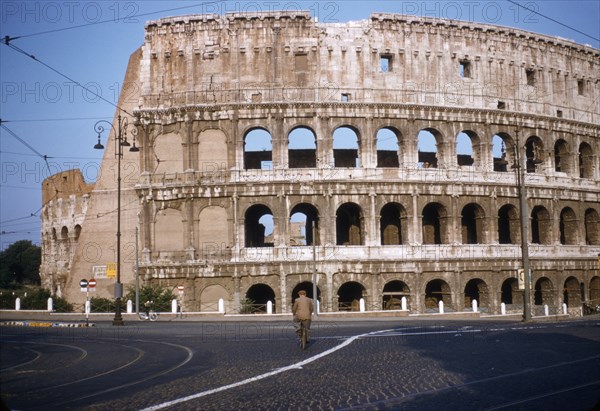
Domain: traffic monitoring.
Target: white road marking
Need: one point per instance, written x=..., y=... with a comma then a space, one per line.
x=295, y=366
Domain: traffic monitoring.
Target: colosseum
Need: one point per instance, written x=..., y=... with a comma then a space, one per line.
x=380, y=157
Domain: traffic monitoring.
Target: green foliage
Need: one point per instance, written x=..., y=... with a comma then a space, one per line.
x=159, y=295
x=7, y=300
x=20, y=264
x=102, y=305
x=61, y=305
x=35, y=300
x=246, y=306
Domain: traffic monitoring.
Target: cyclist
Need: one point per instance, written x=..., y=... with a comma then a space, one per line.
x=147, y=307
x=302, y=310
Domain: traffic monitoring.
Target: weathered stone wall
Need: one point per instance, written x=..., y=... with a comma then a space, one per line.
x=427, y=225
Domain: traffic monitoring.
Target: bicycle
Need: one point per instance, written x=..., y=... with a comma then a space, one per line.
x=152, y=316
x=303, y=335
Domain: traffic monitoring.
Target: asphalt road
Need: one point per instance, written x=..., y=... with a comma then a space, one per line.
x=403, y=364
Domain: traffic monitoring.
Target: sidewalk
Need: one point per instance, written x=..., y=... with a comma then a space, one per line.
x=45, y=318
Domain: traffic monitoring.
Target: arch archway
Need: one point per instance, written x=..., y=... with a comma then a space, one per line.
x=346, y=147
x=586, y=161
x=436, y=291
x=258, y=149
x=592, y=227
x=259, y=226
x=392, y=294
x=349, y=295
x=257, y=297
x=595, y=290
x=434, y=224
x=476, y=289
x=210, y=296
x=561, y=156
x=544, y=292
x=534, y=147
x=568, y=227
x=472, y=224
x=302, y=148
x=392, y=224
x=540, y=225
x=572, y=292
x=302, y=217
x=509, y=231
x=510, y=293
x=388, y=147
x=348, y=223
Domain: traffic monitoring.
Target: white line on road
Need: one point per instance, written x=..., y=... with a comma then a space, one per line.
x=295, y=366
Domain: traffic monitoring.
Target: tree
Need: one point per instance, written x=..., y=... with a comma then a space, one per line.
x=159, y=295
x=20, y=263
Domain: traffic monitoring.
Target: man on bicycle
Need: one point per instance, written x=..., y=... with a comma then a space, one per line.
x=302, y=310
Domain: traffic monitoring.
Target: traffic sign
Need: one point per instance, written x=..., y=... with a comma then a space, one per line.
x=180, y=289
x=83, y=283
x=91, y=283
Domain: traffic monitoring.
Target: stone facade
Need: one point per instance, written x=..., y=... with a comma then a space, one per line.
x=249, y=124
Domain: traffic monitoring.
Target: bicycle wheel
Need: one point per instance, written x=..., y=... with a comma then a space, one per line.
x=302, y=336
x=153, y=316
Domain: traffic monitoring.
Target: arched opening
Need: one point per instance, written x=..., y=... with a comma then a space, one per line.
x=502, y=150
x=586, y=158
x=543, y=292
x=302, y=217
x=393, y=224
x=302, y=148
x=349, y=295
x=393, y=291
x=595, y=290
x=308, y=287
x=258, y=150
x=540, y=225
x=561, y=156
x=592, y=227
x=168, y=232
x=534, y=149
x=428, y=141
x=572, y=292
x=467, y=148
x=388, y=147
x=348, y=225
x=210, y=296
x=508, y=225
x=568, y=227
x=346, y=147
x=436, y=291
x=257, y=297
x=476, y=289
x=472, y=224
x=77, y=232
x=259, y=226
x=434, y=224
x=510, y=293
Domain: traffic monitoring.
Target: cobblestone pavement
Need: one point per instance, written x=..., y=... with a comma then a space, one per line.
x=391, y=364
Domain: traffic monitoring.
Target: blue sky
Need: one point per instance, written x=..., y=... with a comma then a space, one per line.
x=91, y=42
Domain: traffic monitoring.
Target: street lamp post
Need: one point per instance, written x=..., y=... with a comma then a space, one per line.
x=524, y=211
x=120, y=142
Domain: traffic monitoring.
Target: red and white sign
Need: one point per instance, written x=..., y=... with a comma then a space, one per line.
x=180, y=289
x=92, y=283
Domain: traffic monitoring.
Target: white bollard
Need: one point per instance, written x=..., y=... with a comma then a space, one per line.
x=318, y=307
x=50, y=304
x=129, y=306
x=88, y=306
x=174, y=306
x=474, y=305
x=565, y=311
x=404, y=303
x=546, y=310
x=221, y=306
x=441, y=306
x=361, y=304
x=269, y=307
x=18, y=304
x=503, y=309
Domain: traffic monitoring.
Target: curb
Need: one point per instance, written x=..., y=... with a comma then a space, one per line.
x=46, y=324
